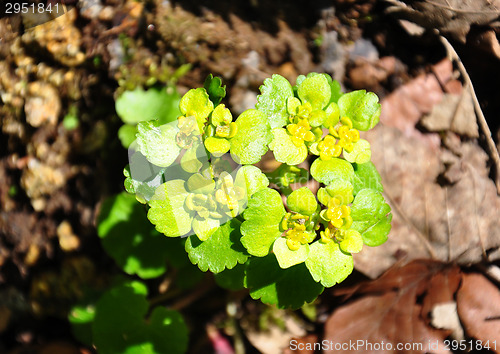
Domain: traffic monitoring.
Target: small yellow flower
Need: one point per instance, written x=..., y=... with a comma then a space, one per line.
x=188, y=132
x=328, y=148
x=300, y=132
x=296, y=237
x=296, y=233
x=336, y=213
x=229, y=195
x=226, y=131
x=346, y=134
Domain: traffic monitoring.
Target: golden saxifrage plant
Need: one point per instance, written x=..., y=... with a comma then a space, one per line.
x=198, y=178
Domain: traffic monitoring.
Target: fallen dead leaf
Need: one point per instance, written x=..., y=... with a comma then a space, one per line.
x=389, y=312
x=478, y=304
x=451, y=17
x=455, y=113
x=456, y=222
x=404, y=107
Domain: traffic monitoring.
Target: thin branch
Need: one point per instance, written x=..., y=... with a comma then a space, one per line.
x=479, y=113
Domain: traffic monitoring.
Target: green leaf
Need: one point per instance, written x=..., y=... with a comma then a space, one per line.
x=332, y=115
x=194, y=158
x=250, y=142
x=317, y=118
x=316, y=90
x=204, y=228
x=221, y=250
x=217, y=146
x=196, y=103
x=371, y=217
x=126, y=134
x=221, y=116
x=327, y=171
x=251, y=179
x=336, y=89
x=81, y=317
x=361, y=107
x=263, y=216
x=119, y=325
x=286, y=257
x=361, y=152
x=215, y=90
x=366, y=176
x=128, y=237
x=139, y=105
x=167, y=210
x=285, y=288
x=323, y=196
x=328, y=264
x=157, y=142
x=200, y=184
x=285, y=150
x=273, y=99
x=232, y=279
x=352, y=242
x=142, y=177
x=302, y=201
x=342, y=190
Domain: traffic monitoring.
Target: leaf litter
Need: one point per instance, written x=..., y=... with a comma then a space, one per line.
x=445, y=205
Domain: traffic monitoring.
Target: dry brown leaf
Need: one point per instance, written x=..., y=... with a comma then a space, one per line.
x=478, y=303
x=451, y=17
x=404, y=107
x=487, y=41
x=455, y=113
x=453, y=222
x=389, y=311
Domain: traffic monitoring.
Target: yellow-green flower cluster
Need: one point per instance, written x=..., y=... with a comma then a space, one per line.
x=296, y=233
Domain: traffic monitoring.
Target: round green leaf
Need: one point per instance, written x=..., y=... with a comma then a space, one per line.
x=361, y=152
x=126, y=134
x=342, y=190
x=119, y=325
x=139, y=105
x=232, y=279
x=285, y=150
x=250, y=142
x=129, y=237
x=194, y=158
x=302, y=201
x=317, y=118
x=327, y=171
x=157, y=143
x=222, y=250
x=263, y=216
x=286, y=257
x=332, y=115
x=366, y=176
x=361, y=107
x=204, y=228
x=217, y=146
x=316, y=90
x=286, y=288
x=167, y=210
x=371, y=217
x=328, y=264
x=196, y=103
x=273, y=100
x=221, y=115
x=352, y=242
x=251, y=179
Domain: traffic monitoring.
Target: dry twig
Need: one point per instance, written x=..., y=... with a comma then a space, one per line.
x=479, y=113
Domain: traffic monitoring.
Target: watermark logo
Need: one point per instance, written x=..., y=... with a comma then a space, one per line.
x=33, y=12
